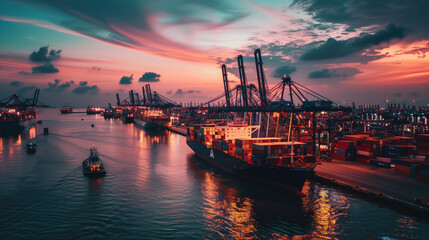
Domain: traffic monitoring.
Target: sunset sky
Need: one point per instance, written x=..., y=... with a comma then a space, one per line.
x=84, y=52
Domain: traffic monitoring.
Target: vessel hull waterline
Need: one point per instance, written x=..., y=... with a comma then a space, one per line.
x=291, y=179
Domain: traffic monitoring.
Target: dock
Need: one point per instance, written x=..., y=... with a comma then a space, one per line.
x=382, y=183
x=179, y=130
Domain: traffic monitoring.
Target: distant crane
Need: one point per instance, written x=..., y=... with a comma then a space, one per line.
x=243, y=81
x=262, y=82
x=14, y=101
x=226, y=86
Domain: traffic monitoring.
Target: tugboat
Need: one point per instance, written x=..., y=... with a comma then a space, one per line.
x=93, y=166
x=66, y=109
x=31, y=148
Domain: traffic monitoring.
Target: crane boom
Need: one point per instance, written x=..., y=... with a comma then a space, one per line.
x=262, y=83
x=242, y=80
x=226, y=85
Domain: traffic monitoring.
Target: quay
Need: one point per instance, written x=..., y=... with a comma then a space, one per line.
x=381, y=183
x=179, y=130
x=372, y=181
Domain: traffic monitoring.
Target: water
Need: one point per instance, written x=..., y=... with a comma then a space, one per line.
x=156, y=188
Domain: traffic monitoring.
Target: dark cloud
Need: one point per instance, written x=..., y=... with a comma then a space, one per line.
x=182, y=92
x=84, y=88
x=150, y=77
x=57, y=87
x=25, y=90
x=16, y=84
x=126, y=79
x=342, y=48
x=44, y=55
x=268, y=59
x=414, y=94
x=46, y=68
x=25, y=73
x=283, y=70
x=411, y=14
x=334, y=73
x=419, y=51
x=249, y=61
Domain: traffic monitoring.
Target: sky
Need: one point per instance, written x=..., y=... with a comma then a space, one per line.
x=81, y=52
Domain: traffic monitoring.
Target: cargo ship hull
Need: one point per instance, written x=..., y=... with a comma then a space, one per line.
x=148, y=124
x=292, y=179
x=16, y=125
x=66, y=110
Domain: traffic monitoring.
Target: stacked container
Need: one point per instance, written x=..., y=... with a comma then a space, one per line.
x=396, y=151
x=228, y=146
x=422, y=143
x=244, y=145
x=344, y=150
x=368, y=149
x=261, y=151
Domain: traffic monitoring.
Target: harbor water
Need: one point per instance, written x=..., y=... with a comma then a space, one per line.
x=156, y=188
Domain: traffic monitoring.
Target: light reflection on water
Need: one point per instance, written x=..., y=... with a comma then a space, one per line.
x=156, y=188
x=234, y=212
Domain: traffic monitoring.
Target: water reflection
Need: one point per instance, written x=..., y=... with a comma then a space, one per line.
x=95, y=185
x=32, y=132
x=235, y=209
x=328, y=207
x=224, y=208
x=10, y=141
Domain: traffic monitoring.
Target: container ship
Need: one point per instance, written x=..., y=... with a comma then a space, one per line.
x=93, y=110
x=66, y=110
x=15, y=119
x=151, y=119
x=267, y=160
x=127, y=116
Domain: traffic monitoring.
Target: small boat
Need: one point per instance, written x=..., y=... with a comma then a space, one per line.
x=31, y=148
x=93, y=166
x=66, y=109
